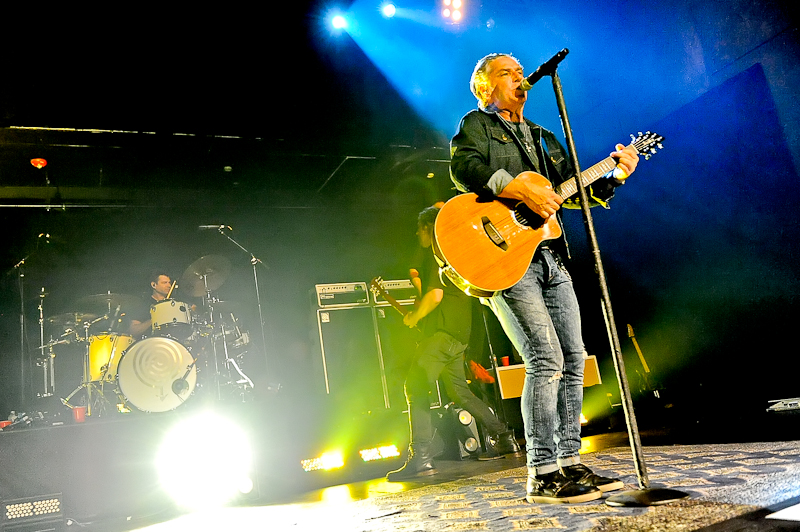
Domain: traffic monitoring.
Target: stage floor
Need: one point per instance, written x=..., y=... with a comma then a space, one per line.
x=104, y=471
x=728, y=487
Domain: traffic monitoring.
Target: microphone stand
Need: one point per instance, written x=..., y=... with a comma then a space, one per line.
x=254, y=261
x=19, y=267
x=645, y=496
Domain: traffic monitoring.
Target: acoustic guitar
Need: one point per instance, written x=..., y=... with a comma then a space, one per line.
x=484, y=245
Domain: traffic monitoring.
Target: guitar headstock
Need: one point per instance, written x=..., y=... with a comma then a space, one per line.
x=647, y=144
x=376, y=286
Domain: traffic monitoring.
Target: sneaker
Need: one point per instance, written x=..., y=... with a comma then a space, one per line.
x=583, y=476
x=555, y=488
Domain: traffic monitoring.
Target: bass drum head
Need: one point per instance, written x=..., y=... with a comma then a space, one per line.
x=148, y=370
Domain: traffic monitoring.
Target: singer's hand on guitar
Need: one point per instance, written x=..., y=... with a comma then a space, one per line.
x=627, y=159
x=535, y=191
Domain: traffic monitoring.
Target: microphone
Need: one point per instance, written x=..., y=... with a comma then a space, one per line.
x=220, y=227
x=546, y=69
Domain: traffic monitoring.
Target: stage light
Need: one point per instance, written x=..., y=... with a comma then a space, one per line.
x=389, y=10
x=379, y=453
x=39, y=162
x=453, y=9
x=33, y=513
x=339, y=22
x=325, y=462
x=205, y=461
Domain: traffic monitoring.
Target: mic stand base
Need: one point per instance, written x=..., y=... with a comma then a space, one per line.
x=646, y=497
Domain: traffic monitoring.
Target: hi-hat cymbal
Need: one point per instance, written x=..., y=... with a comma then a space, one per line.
x=70, y=319
x=206, y=273
x=108, y=301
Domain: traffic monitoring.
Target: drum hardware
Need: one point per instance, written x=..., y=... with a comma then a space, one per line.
x=95, y=396
x=241, y=339
x=46, y=361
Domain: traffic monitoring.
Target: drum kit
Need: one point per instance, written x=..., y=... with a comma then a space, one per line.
x=187, y=349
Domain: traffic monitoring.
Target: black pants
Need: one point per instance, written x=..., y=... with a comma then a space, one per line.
x=442, y=357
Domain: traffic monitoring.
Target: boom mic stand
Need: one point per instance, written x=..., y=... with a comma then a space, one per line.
x=645, y=496
x=254, y=261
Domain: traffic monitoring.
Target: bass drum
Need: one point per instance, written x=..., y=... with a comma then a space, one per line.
x=151, y=374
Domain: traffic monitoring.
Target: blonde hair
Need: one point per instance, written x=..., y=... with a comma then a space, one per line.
x=480, y=76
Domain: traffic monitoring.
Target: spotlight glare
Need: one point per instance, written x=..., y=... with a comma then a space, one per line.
x=456, y=15
x=456, y=4
x=215, y=483
x=446, y=13
x=339, y=22
x=389, y=10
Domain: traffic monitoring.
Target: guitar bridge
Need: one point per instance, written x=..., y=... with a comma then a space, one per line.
x=493, y=234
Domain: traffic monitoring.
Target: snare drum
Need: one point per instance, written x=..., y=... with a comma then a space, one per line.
x=171, y=318
x=105, y=352
x=148, y=373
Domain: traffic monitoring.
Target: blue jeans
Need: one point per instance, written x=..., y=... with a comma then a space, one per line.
x=540, y=315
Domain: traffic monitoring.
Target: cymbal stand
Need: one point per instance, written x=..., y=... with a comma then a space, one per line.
x=46, y=361
x=208, y=302
x=254, y=261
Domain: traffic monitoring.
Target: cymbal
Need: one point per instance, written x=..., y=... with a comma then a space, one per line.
x=70, y=319
x=109, y=301
x=213, y=268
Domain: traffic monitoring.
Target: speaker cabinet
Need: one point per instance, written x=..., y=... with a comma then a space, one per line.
x=352, y=365
x=366, y=353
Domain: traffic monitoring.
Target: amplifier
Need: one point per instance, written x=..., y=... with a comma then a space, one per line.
x=402, y=290
x=342, y=295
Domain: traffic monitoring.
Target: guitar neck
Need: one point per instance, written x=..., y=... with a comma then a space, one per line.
x=394, y=303
x=568, y=188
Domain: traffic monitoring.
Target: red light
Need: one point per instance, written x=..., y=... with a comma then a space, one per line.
x=39, y=163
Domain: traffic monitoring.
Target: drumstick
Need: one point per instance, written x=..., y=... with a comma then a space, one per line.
x=173, y=287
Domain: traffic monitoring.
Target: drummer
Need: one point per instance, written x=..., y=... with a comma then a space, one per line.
x=161, y=284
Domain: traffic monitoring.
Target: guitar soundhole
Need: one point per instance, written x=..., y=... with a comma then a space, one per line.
x=525, y=216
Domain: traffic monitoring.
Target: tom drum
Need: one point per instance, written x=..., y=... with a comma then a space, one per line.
x=171, y=318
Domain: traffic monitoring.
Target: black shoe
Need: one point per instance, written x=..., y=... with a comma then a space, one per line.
x=499, y=445
x=555, y=488
x=504, y=443
x=418, y=464
x=582, y=475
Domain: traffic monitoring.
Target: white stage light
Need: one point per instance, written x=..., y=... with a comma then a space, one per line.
x=205, y=461
x=389, y=10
